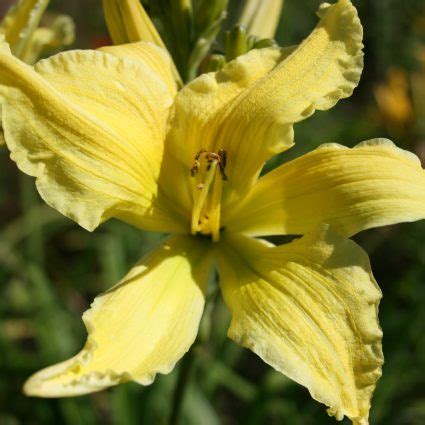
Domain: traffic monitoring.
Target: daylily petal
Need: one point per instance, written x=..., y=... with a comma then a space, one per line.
x=90, y=127
x=373, y=184
x=248, y=109
x=309, y=309
x=198, y=105
x=20, y=23
x=148, y=53
x=140, y=327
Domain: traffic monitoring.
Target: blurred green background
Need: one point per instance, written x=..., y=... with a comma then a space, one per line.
x=50, y=269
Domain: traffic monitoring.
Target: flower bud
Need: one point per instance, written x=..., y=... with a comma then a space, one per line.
x=214, y=63
x=237, y=42
x=128, y=22
x=261, y=17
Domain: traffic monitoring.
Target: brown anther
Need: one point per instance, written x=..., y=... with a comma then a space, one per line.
x=220, y=158
x=223, y=157
x=223, y=174
x=198, y=155
x=196, y=163
x=200, y=186
x=195, y=168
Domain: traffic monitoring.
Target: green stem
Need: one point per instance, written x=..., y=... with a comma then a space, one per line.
x=181, y=386
x=34, y=242
x=187, y=364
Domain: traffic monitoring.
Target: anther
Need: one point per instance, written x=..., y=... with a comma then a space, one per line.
x=195, y=168
x=196, y=164
x=223, y=157
x=220, y=158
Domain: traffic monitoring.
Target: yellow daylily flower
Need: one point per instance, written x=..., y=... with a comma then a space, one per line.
x=106, y=134
x=261, y=17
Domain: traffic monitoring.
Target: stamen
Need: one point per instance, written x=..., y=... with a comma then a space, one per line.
x=201, y=196
x=222, y=163
x=195, y=168
x=216, y=209
x=207, y=192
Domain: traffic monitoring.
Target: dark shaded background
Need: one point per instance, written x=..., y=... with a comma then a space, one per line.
x=50, y=269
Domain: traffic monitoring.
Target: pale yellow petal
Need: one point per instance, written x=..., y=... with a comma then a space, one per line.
x=153, y=56
x=140, y=327
x=90, y=127
x=261, y=17
x=373, y=184
x=197, y=108
x=323, y=69
x=249, y=108
x=308, y=309
x=20, y=23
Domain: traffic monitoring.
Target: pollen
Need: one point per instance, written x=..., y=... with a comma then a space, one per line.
x=209, y=172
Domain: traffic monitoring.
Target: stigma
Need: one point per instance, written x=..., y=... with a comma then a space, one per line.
x=209, y=173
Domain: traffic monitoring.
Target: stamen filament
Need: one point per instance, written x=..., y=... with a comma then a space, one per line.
x=215, y=209
x=209, y=169
x=201, y=195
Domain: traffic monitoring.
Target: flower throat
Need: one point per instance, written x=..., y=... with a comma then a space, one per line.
x=209, y=171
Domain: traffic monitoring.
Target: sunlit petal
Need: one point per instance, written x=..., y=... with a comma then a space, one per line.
x=309, y=309
x=140, y=327
x=249, y=108
x=373, y=184
x=90, y=127
x=149, y=54
x=197, y=111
